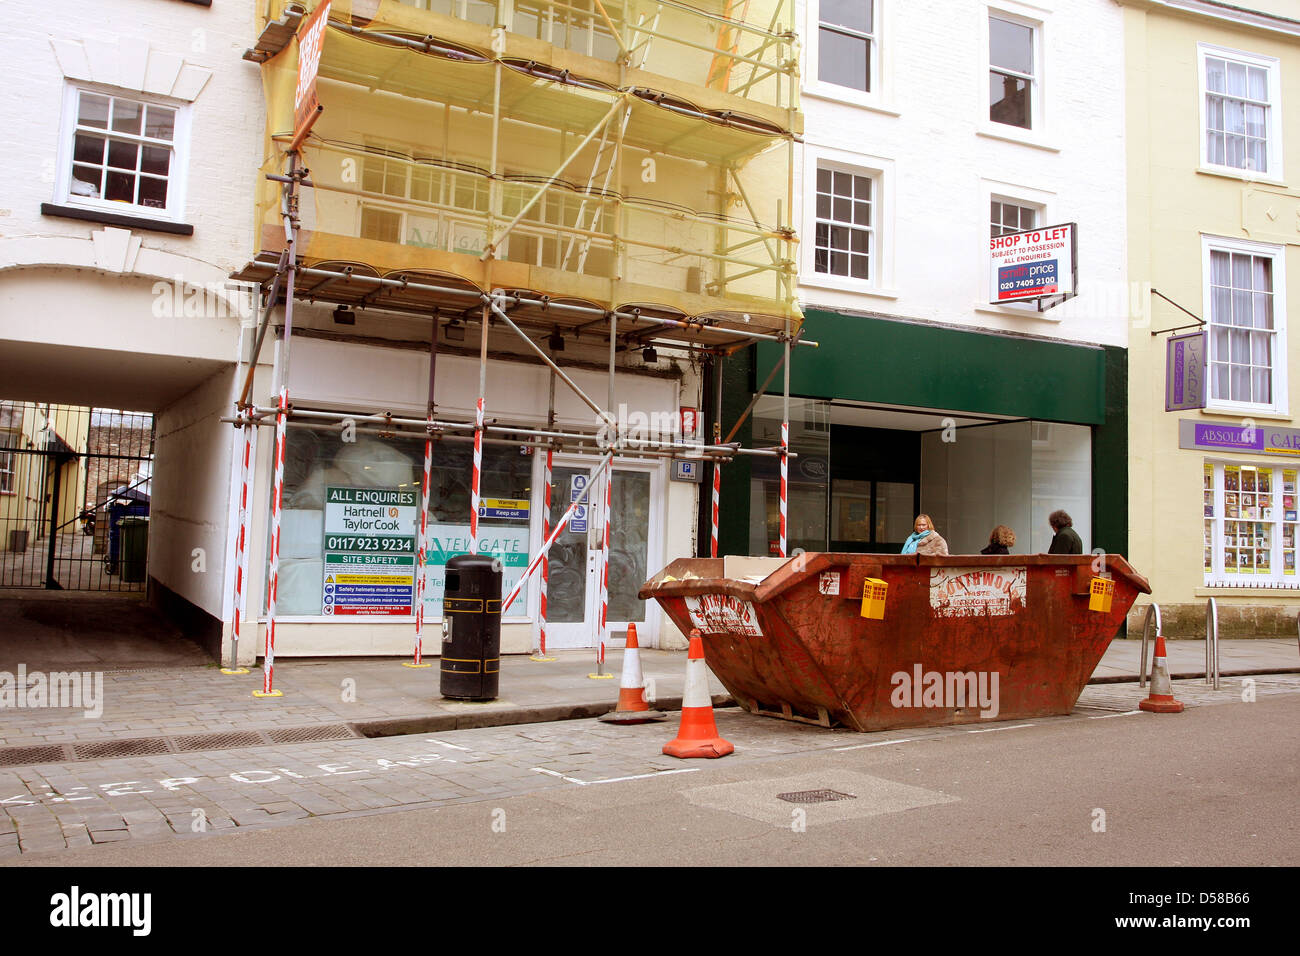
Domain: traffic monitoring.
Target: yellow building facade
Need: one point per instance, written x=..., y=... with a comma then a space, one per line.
x=1213, y=141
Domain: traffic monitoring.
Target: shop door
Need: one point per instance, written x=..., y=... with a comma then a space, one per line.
x=573, y=593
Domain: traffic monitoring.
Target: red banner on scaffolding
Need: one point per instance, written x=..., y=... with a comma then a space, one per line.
x=306, y=106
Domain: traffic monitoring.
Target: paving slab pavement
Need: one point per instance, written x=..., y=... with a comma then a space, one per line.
x=344, y=698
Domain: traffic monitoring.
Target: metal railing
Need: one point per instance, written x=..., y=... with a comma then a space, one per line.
x=1212, y=643
x=1153, y=611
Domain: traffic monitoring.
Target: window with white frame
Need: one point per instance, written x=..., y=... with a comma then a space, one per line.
x=1007, y=216
x=1249, y=523
x=846, y=43
x=844, y=239
x=1239, y=100
x=8, y=441
x=1246, y=325
x=1013, y=70
x=123, y=153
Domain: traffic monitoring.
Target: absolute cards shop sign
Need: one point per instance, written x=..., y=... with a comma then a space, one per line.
x=1252, y=439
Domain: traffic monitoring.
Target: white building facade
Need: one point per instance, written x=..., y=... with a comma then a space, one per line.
x=121, y=225
x=931, y=127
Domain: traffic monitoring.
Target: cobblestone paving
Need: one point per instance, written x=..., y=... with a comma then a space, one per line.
x=47, y=808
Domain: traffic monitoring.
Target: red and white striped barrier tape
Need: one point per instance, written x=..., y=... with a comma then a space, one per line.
x=475, y=478
x=785, y=472
x=281, y=421
x=241, y=553
x=717, y=494
x=423, y=542
x=546, y=561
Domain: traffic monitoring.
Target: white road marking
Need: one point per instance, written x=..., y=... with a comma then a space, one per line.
x=444, y=743
x=991, y=730
x=1127, y=713
x=553, y=773
x=881, y=743
x=639, y=776
x=643, y=776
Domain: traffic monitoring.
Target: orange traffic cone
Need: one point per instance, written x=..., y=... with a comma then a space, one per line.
x=632, y=708
x=698, y=734
x=1161, y=700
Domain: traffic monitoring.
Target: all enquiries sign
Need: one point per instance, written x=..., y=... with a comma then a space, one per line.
x=1037, y=264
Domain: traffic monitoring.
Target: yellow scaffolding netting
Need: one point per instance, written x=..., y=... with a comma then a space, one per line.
x=616, y=153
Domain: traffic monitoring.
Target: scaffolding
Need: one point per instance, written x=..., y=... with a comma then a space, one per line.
x=554, y=170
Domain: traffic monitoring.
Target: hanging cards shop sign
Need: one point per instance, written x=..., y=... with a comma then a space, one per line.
x=1254, y=439
x=369, y=551
x=1035, y=264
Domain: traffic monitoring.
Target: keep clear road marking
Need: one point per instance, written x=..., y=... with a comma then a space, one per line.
x=639, y=776
x=881, y=743
x=1127, y=713
x=993, y=730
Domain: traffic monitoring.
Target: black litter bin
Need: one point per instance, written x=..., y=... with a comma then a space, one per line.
x=471, y=628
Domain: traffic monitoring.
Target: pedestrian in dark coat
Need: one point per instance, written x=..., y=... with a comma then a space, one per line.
x=1066, y=540
x=1000, y=541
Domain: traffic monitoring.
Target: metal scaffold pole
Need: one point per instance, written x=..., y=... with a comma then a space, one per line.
x=422, y=560
x=247, y=433
x=540, y=653
x=477, y=477
x=785, y=442
x=717, y=465
x=281, y=420
x=602, y=633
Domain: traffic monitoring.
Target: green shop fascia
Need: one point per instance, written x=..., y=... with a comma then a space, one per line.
x=1015, y=381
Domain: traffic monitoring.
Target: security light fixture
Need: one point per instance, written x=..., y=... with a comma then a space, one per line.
x=649, y=355
x=556, y=341
x=455, y=331
x=344, y=316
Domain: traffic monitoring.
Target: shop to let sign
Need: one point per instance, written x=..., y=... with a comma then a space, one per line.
x=369, y=551
x=1034, y=264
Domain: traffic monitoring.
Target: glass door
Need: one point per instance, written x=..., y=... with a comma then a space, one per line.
x=573, y=592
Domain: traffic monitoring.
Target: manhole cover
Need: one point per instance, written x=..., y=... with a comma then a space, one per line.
x=814, y=796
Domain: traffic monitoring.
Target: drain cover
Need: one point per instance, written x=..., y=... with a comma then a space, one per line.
x=20, y=756
x=294, y=735
x=131, y=747
x=814, y=796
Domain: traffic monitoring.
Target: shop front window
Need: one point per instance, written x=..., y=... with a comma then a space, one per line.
x=808, y=483
x=351, y=517
x=1250, y=524
x=871, y=516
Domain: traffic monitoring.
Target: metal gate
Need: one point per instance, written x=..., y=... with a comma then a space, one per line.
x=74, y=497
